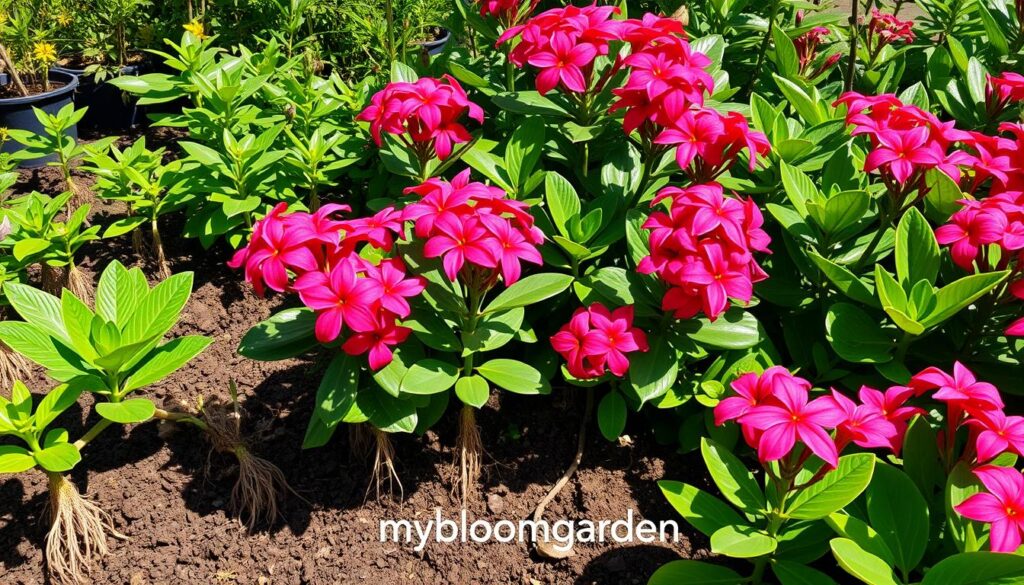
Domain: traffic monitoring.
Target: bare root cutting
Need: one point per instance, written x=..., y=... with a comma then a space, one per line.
x=555, y=549
x=80, y=194
x=78, y=531
x=384, y=473
x=162, y=269
x=470, y=450
x=76, y=282
x=12, y=366
x=360, y=441
x=261, y=485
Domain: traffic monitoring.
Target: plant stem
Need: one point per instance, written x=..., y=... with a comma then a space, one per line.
x=851, y=65
x=764, y=47
x=9, y=64
x=92, y=433
x=510, y=71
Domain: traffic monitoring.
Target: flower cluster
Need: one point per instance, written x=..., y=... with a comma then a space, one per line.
x=703, y=248
x=563, y=43
x=709, y=143
x=807, y=52
x=978, y=407
x=506, y=12
x=1002, y=91
x=473, y=225
x=597, y=340
x=987, y=233
x=426, y=115
x=906, y=141
x=885, y=29
x=318, y=257
x=775, y=411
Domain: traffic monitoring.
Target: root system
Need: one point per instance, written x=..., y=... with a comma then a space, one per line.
x=470, y=450
x=78, y=531
x=384, y=477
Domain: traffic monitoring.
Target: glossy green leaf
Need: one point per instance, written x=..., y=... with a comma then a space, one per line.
x=733, y=479
x=530, y=290
x=835, y=490
x=473, y=390
x=284, y=335
x=611, y=415
x=135, y=410
x=429, y=376
x=742, y=542
x=977, y=568
x=14, y=459
x=514, y=376
x=58, y=458
x=855, y=335
x=861, y=564
x=917, y=252
x=694, y=573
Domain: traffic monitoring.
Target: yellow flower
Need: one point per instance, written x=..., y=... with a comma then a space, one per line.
x=3, y=134
x=63, y=19
x=44, y=52
x=195, y=27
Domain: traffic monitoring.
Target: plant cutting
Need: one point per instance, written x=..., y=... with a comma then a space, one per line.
x=111, y=351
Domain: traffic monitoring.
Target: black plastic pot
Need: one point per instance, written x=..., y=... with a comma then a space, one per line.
x=16, y=112
x=436, y=47
x=109, y=107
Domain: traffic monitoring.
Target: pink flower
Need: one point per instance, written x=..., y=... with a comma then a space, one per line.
x=390, y=287
x=1002, y=506
x=753, y=390
x=379, y=229
x=273, y=250
x=562, y=62
x=339, y=298
x=885, y=29
x=788, y=416
x=892, y=406
x=596, y=339
x=903, y=152
x=997, y=434
x=1016, y=329
x=510, y=247
x=961, y=390
x=377, y=342
x=718, y=279
x=459, y=240
x=970, y=229
x=861, y=424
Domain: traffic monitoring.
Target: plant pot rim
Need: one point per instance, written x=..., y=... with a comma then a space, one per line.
x=435, y=42
x=69, y=79
x=123, y=70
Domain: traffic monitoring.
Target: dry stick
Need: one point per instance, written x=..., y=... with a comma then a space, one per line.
x=14, y=72
x=544, y=547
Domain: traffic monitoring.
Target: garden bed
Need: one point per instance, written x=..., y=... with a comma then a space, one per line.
x=169, y=495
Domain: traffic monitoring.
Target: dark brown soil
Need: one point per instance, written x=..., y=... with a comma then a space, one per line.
x=169, y=494
x=11, y=91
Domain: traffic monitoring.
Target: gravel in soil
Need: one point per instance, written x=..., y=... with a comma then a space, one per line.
x=169, y=494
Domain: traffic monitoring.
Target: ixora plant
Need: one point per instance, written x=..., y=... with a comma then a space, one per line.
x=951, y=473
x=113, y=351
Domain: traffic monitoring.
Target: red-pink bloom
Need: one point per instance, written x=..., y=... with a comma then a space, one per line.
x=862, y=424
x=807, y=50
x=903, y=152
x=510, y=247
x=962, y=391
x=789, y=416
x=891, y=404
x=379, y=229
x=391, y=288
x=969, y=230
x=340, y=298
x=596, y=338
x=1003, y=90
x=1016, y=329
x=996, y=433
x=885, y=29
x=458, y=240
x=752, y=390
x=425, y=115
x=377, y=342
x=273, y=251
x=1002, y=506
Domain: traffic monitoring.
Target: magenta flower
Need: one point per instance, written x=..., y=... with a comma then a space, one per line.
x=459, y=240
x=968, y=231
x=1016, y=329
x=752, y=390
x=340, y=298
x=595, y=340
x=1002, y=507
x=562, y=62
x=719, y=281
x=861, y=424
x=510, y=247
x=891, y=404
x=997, y=434
x=377, y=342
x=391, y=288
x=962, y=391
x=611, y=337
x=273, y=251
x=903, y=152
x=789, y=417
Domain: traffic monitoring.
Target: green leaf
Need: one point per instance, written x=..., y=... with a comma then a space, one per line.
x=528, y=102
x=33, y=343
x=844, y=209
x=855, y=336
x=135, y=410
x=14, y=459
x=742, y=542
x=58, y=458
x=807, y=107
x=694, y=573
x=899, y=514
x=473, y=390
x=847, y=282
x=336, y=394
x=921, y=461
x=977, y=568
x=611, y=415
x=29, y=247
x=524, y=149
x=164, y=360
x=733, y=479
x=735, y=329
x=514, y=376
x=493, y=331
x=800, y=189
x=431, y=328
x=836, y=489
x=785, y=53
x=530, y=290
x=55, y=402
x=955, y=296
x=160, y=308
x=119, y=292
x=865, y=536
x=387, y=413
x=562, y=201
x=652, y=373
x=703, y=511
x=960, y=485
x=792, y=573
x=284, y=335
x=429, y=376
x=402, y=72
x=917, y=251
x=38, y=308
x=862, y=564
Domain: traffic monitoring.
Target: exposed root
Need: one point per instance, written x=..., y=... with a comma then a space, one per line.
x=556, y=549
x=78, y=531
x=51, y=279
x=360, y=440
x=469, y=448
x=384, y=467
x=76, y=282
x=138, y=244
x=162, y=269
x=261, y=485
x=80, y=194
x=12, y=366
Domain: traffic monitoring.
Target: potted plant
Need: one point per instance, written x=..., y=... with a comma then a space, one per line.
x=26, y=56
x=104, y=50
